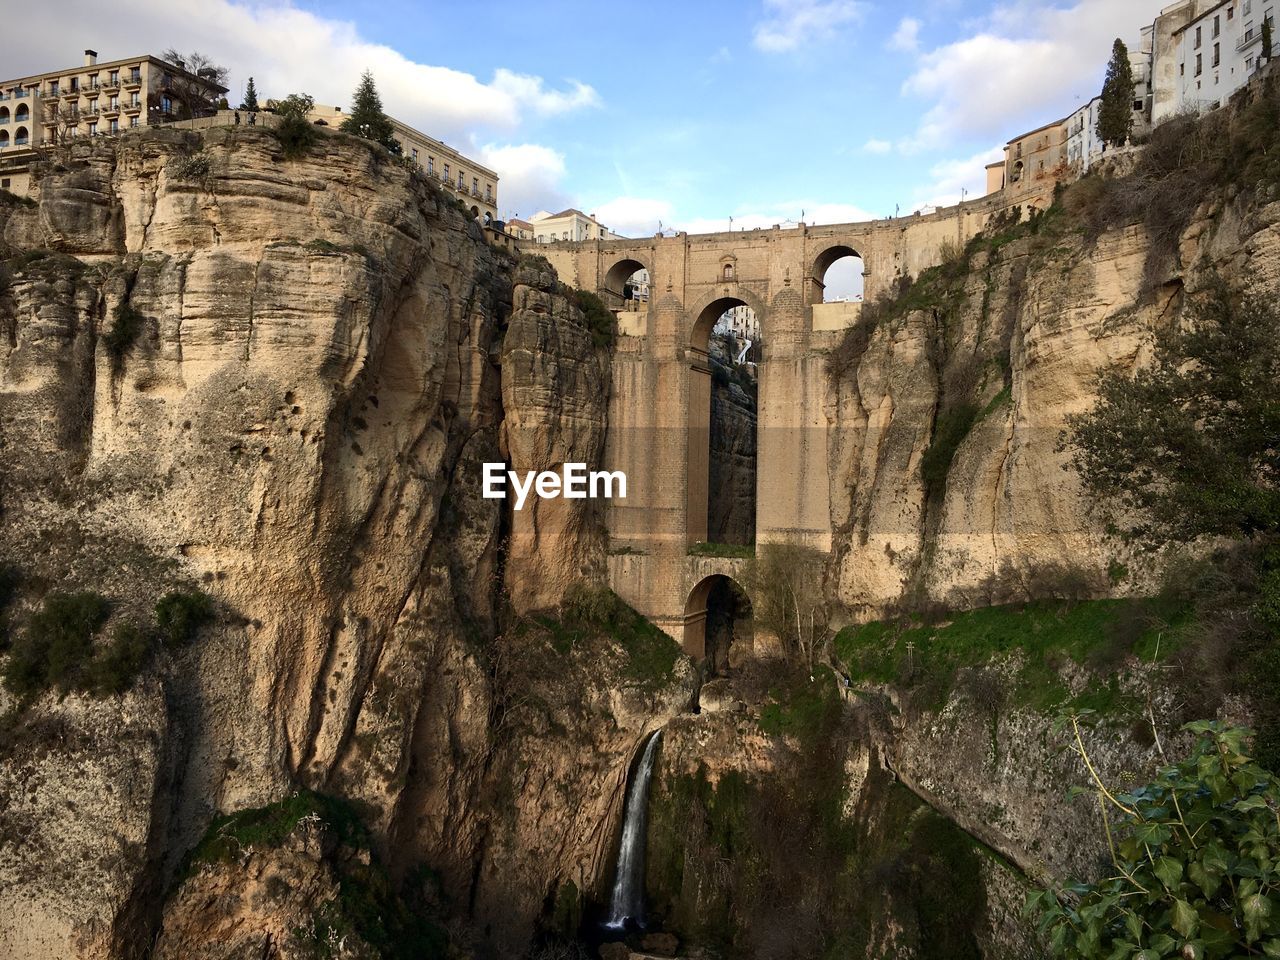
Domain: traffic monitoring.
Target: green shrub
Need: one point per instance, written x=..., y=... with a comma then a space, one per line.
x=1196, y=858
x=728, y=550
x=57, y=643
x=126, y=327
x=180, y=614
x=297, y=134
x=590, y=611
x=114, y=669
x=600, y=319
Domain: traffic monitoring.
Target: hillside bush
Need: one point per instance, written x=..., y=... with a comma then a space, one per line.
x=57, y=643
x=180, y=614
x=1195, y=857
x=599, y=318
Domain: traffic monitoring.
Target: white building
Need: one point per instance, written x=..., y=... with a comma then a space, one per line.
x=1203, y=52
x=571, y=225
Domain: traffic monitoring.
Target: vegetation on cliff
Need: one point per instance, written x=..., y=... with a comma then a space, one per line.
x=1196, y=855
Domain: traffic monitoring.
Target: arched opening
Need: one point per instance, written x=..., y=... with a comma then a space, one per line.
x=22, y=113
x=839, y=276
x=475, y=213
x=626, y=286
x=20, y=137
x=717, y=625
x=4, y=114
x=1017, y=172
x=724, y=399
x=4, y=139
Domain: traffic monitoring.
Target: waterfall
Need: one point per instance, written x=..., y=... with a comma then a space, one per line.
x=627, y=904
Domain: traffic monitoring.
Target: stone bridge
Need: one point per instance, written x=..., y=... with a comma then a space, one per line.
x=659, y=410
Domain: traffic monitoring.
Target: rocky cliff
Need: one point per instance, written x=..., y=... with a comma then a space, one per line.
x=277, y=380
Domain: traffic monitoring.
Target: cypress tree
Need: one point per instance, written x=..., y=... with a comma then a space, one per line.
x=1266, y=38
x=367, y=119
x=1115, y=118
x=250, y=97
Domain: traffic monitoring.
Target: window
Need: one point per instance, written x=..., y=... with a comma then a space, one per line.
x=135, y=100
x=462, y=179
x=93, y=129
x=415, y=154
x=1217, y=54
x=1199, y=64
x=488, y=191
x=1231, y=13
x=4, y=184
x=1217, y=27
x=75, y=84
x=115, y=126
x=728, y=271
x=135, y=75
x=93, y=81
x=1198, y=29
x=475, y=186
x=115, y=78
x=431, y=164
x=133, y=121
x=446, y=171
x=93, y=107
x=166, y=104
x=1182, y=69
x=115, y=102
x=1137, y=105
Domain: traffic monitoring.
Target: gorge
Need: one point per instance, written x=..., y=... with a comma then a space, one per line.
x=405, y=724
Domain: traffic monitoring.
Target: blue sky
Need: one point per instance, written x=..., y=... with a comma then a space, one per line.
x=684, y=113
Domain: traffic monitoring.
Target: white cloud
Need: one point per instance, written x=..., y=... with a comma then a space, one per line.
x=289, y=50
x=790, y=23
x=635, y=216
x=957, y=179
x=530, y=177
x=907, y=37
x=1028, y=63
x=877, y=146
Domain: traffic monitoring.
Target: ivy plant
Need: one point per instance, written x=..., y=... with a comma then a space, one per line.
x=1195, y=863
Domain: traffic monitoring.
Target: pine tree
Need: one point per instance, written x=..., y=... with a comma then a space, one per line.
x=1115, y=118
x=367, y=119
x=250, y=97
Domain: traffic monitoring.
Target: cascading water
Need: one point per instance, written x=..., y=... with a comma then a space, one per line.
x=627, y=903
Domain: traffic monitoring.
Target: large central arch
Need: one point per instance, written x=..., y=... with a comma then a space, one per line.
x=698, y=451
x=613, y=290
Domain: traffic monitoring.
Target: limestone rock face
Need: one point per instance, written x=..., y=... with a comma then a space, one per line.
x=279, y=380
x=555, y=390
x=1026, y=342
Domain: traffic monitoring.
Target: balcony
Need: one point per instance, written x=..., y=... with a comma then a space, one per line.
x=111, y=110
x=111, y=85
x=1249, y=39
x=133, y=81
x=132, y=107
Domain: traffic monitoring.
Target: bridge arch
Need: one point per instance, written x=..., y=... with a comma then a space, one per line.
x=717, y=615
x=822, y=264
x=712, y=306
x=614, y=288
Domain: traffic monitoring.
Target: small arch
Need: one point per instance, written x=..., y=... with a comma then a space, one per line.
x=475, y=212
x=23, y=112
x=4, y=114
x=1017, y=172
x=837, y=275
x=20, y=137
x=717, y=617
x=626, y=284
x=4, y=139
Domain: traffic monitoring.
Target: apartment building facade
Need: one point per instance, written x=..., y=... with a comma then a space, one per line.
x=1213, y=53
x=89, y=100
x=569, y=225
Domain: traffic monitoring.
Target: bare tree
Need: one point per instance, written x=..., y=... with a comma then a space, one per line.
x=59, y=122
x=197, y=83
x=785, y=582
